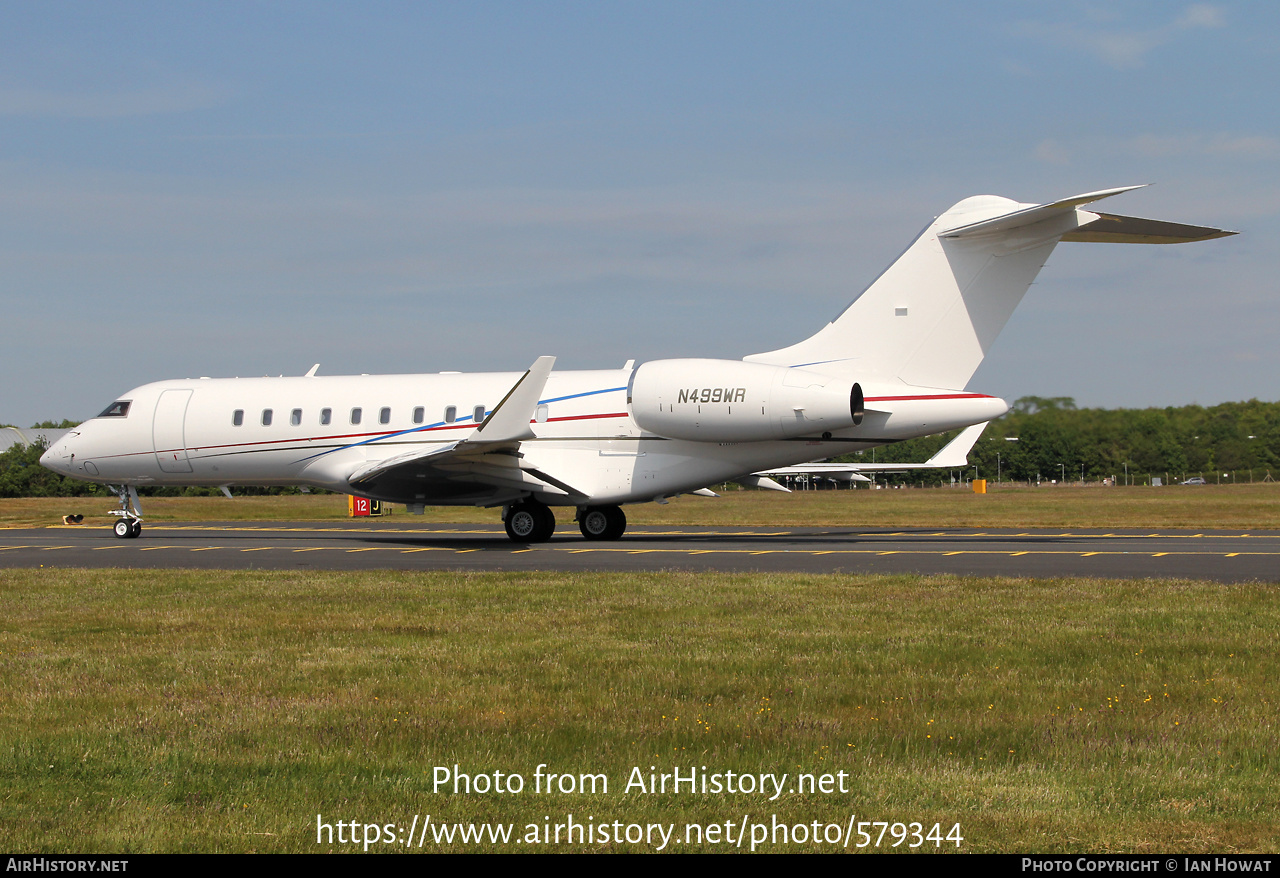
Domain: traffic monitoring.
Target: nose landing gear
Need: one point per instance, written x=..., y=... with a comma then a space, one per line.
x=127, y=529
x=130, y=524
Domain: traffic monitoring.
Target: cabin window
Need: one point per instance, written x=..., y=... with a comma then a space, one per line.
x=419, y=415
x=295, y=418
x=355, y=415
x=384, y=415
x=326, y=415
x=237, y=417
x=541, y=414
x=117, y=409
x=477, y=414
x=451, y=414
x=266, y=417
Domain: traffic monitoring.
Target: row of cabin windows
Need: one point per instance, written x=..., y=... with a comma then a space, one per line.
x=357, y=415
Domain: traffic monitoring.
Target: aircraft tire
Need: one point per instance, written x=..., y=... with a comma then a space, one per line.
x=547, y=522
x=135, y=529
x=530, y=523
x=602, y=523
x=122, y=529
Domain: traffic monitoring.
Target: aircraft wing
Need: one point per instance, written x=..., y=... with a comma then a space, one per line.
x=953, y=455
x=489, y=457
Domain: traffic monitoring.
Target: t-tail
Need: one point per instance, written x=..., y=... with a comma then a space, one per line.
x=931, y=316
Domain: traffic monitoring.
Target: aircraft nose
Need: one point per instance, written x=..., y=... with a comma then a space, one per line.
x=53, y=457
x=58, y=457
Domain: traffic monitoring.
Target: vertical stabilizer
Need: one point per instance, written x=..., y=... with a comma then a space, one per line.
x=931, y=317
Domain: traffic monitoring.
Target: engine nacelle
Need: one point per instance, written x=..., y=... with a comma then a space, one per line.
x=734, y=401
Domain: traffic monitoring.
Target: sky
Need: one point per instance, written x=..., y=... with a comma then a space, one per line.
x=236, y=189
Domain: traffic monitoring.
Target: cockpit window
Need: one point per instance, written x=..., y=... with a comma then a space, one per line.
x=117, y=409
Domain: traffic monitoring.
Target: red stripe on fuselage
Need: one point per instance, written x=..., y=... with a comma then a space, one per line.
x=340, y=436
x=930, y=396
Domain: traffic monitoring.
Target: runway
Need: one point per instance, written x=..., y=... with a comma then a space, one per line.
x=1222, y=555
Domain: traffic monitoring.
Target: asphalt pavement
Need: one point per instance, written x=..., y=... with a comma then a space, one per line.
x=1222, y=555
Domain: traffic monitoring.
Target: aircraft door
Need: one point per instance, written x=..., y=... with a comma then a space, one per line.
x=168, y=431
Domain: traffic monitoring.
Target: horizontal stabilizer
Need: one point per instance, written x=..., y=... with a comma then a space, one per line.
x=1112, y=229
x=1032, y=215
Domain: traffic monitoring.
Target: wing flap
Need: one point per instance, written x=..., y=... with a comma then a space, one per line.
x=418, y=458
x=491, y=464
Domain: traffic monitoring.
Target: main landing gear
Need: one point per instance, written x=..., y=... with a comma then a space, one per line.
x=130, y=524
x=530, y=521
x=602, y=522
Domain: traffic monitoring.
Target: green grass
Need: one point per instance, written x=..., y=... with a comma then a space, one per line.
x=1211, y=506
x=222, y=711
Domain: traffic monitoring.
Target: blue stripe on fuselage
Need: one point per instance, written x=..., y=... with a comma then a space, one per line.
x=439, y=424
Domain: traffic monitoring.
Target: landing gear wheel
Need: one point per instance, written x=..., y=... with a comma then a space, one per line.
x=530, y=523
x=129, y=524
x=602, y=522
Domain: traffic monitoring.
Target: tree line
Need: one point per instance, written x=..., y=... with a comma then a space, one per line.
x=21, y=475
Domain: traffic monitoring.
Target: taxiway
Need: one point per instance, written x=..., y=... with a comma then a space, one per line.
x=1222, y=555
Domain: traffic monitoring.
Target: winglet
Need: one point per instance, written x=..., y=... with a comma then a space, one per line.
x=509, y=420
x=763, y=482
x=955, y=454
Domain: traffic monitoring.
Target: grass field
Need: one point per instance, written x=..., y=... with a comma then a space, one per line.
x=197, y=711
x=1210, y=506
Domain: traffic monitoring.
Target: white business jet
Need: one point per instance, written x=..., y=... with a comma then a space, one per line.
x=892, y=366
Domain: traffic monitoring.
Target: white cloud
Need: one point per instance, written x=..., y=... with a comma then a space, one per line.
x=1125, y=49
x=1053, y=153
x=1160, y=146
x=1200, y=15
x=1260, y=146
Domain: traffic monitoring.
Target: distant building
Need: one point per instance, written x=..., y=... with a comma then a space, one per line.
x=11, y=436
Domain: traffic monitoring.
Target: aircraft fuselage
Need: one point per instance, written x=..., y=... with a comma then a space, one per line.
x=317, y=430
